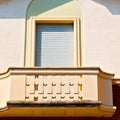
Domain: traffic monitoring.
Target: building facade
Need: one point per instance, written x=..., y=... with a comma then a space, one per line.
x=60, y=58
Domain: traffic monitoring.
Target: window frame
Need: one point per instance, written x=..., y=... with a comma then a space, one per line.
x=50, y=20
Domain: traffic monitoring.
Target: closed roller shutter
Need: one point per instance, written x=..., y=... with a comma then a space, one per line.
x=54, y=45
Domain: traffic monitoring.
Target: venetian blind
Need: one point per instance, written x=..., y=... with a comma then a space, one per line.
x=54, y=45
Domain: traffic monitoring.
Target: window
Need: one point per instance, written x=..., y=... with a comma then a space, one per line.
x=55, y=42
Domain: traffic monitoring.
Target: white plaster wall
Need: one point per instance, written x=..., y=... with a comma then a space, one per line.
x=4, y=91
x=105, y=91
x=12, y=32
x=102, y=34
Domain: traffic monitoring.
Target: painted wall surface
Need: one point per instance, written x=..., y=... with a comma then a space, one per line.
x=101, y=36
x=4, y=91
x=12, y=32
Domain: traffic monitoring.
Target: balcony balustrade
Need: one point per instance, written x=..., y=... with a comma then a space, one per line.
x=45, y=88
x=59, y=92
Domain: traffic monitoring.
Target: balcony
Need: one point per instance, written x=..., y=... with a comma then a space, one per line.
x=56, y=92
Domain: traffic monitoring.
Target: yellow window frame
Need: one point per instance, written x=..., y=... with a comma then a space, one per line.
x=50, y=20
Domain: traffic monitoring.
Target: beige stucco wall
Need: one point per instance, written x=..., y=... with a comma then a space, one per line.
x=102, y=34
x=4, y=91
x=101, y=37
x=12, y=32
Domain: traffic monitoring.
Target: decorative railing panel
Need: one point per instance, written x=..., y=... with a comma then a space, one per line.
x=45, y=88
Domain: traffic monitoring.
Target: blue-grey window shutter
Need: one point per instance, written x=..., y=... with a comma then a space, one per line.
x=54, y=45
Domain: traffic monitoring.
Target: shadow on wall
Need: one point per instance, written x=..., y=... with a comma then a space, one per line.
x=4, y=1
x=112, y=5
x=40, y=6
x=17, y=8
x=10, y=9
